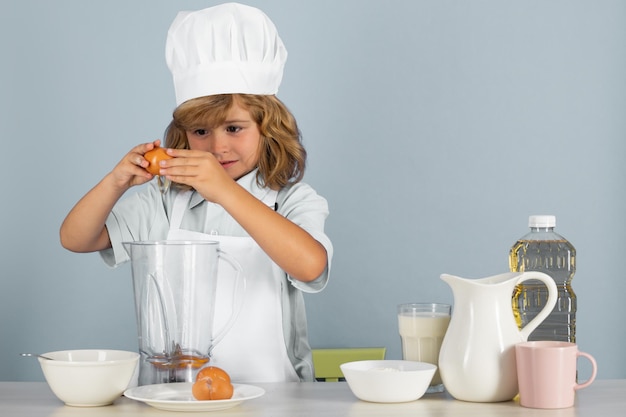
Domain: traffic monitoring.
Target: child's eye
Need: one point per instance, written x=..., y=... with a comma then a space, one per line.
x=232, y=129
x=200, y=132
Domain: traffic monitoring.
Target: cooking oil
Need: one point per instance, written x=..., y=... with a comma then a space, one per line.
x=545, y=251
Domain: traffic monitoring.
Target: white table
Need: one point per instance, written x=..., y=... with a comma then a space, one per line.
x=606, y=398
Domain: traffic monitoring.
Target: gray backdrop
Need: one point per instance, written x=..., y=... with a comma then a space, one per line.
x=434, y=129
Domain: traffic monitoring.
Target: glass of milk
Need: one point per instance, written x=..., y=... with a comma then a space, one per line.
x=422, y=328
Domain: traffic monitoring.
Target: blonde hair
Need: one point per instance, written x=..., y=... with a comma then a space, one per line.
x=282, y=158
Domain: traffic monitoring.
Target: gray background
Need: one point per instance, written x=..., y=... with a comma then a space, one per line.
x=434, y=129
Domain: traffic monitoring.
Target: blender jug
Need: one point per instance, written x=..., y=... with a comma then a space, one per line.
x=175, y=285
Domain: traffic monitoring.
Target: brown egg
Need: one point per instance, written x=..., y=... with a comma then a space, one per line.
x=212, y=383
x=155, y=156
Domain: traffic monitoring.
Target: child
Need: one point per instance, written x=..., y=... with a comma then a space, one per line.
x=236, y=169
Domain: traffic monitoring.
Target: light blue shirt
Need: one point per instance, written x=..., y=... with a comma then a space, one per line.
x=145, y=215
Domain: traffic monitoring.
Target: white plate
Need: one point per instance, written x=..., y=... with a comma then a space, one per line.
x=177, y=397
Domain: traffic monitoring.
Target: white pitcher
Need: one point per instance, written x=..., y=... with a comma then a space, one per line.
x=477, y=357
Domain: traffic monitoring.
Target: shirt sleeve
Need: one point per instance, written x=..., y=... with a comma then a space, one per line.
x=303, y=206
x=139, y=216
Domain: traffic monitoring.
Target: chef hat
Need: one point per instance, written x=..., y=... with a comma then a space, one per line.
x=230, y=48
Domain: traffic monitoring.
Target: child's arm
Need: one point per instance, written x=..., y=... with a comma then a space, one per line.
x=83, y=230
x=290, y=246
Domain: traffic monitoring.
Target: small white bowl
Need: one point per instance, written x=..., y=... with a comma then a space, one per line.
x=89, y=377
x=388, y=381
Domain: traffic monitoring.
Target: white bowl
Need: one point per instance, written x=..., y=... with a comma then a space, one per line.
x=388, y=381
x=89, y=377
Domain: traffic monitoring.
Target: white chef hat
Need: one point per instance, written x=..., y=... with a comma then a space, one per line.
x=230, y=48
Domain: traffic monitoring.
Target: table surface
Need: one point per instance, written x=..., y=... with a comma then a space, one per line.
x=606, y=398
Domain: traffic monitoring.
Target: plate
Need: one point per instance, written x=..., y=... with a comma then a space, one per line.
x=177, y=397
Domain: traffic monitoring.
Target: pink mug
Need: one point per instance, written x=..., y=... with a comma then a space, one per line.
x=546, y=373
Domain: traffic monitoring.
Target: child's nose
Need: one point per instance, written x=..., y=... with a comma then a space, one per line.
x=218, y=144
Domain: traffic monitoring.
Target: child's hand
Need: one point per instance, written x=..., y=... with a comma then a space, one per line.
x=131, y=170
x=199, y=170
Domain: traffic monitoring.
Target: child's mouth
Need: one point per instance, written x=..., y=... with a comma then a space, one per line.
x=227, y=164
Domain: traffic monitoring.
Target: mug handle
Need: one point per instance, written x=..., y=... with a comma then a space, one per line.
x=239, y=293
x=594, y=370
x=547, y=309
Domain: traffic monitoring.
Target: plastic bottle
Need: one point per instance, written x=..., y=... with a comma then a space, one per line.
x=546, y=251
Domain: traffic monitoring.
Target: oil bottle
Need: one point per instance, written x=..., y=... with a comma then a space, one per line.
x=546, y=251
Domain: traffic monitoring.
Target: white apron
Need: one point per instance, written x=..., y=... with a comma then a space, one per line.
x=253, y=350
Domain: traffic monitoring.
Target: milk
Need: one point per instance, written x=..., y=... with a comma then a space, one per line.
x=422, y=335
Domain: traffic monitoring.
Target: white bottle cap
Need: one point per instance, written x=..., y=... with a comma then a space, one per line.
x=541, y=221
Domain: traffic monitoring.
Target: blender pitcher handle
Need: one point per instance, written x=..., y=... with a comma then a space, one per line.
x=547, y=309
x=239, y=292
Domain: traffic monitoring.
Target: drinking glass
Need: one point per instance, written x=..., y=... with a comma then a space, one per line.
x=422, y=327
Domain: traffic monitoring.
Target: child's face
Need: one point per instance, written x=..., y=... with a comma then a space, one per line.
x=235, y=143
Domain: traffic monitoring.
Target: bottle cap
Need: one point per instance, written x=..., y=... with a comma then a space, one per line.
x=542, y=221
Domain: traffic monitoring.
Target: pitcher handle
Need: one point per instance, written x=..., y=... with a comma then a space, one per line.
x=547, y=309
x=239, y=293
